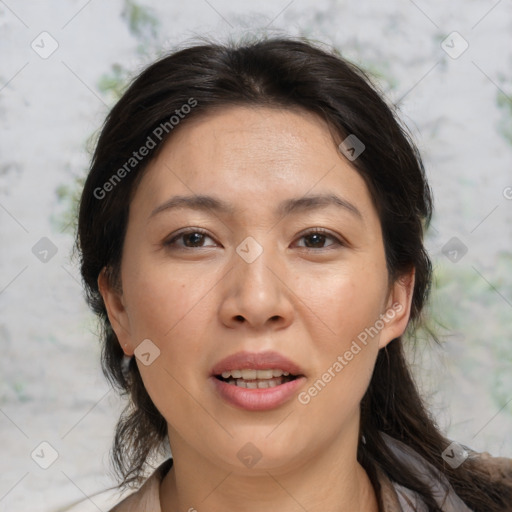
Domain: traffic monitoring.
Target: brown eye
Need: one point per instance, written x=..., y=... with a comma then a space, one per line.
x=317, y=239
x=193, y=238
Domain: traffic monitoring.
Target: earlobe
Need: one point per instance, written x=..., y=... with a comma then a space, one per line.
x=398, y=308
x=116, y=311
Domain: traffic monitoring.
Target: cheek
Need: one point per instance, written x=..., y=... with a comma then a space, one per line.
x=345, y=303
x=344, y=365
x=162, y=301
x=172, y=309
x=344, y=358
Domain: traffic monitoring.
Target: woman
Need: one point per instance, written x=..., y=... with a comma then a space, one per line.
x=251, y=238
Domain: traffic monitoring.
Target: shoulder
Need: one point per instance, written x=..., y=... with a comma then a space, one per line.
x=147, y=497
x=499, y=469
x=396, y=497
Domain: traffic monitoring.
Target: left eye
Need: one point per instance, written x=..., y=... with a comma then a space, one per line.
x=318, y=238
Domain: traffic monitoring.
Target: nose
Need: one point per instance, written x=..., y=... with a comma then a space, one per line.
x=257, y=293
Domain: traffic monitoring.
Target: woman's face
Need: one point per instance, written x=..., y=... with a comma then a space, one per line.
x=274, y=255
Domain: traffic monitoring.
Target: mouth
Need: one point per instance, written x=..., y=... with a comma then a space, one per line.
x=256, y=379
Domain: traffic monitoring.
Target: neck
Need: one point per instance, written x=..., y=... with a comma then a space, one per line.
x=331, y=480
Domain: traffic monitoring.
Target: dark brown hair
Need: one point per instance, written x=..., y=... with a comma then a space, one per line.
x=284, y=73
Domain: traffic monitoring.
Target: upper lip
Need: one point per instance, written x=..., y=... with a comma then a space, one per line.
x=256, y=361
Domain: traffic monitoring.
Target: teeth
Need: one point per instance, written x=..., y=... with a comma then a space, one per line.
x=254, y=374
x=262, y=384
x=249, y=374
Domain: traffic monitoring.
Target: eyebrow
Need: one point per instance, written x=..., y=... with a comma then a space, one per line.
x=286, y=207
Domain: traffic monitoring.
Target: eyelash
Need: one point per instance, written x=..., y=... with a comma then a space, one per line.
x=314, y=231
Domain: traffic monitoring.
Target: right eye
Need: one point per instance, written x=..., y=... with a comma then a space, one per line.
x=194, y=236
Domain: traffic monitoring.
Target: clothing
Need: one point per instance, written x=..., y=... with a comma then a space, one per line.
x=395, y=498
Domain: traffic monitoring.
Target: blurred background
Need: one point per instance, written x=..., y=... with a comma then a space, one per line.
x=63, y=64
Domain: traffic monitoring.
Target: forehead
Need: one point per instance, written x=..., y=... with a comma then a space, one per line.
x=252, y=152
x=270, y=142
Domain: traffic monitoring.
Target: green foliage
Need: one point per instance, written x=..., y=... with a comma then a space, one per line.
x=143, y=24
x=68, y=197
x=114, y=83
x=480, y=311
x=504, y=102
x=20, y=389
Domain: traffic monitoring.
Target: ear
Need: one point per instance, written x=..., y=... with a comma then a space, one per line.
x=116, y=310
x=398, y=308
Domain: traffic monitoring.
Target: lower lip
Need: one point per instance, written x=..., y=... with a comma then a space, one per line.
x=258, y=399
